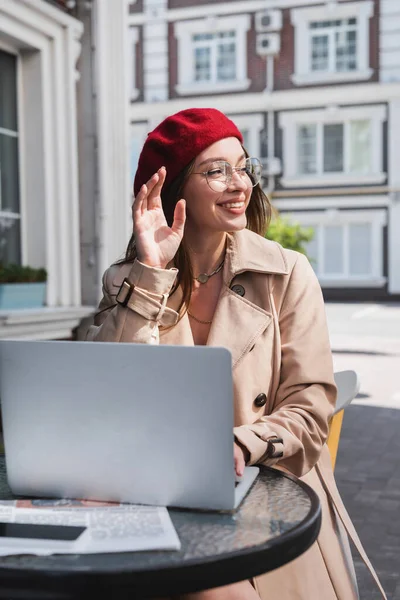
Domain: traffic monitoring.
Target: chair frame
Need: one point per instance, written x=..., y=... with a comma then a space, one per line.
x=348, y=385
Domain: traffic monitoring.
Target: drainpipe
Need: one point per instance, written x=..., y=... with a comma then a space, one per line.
x=271, y=123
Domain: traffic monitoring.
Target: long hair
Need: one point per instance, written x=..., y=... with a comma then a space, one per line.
x=258, y=215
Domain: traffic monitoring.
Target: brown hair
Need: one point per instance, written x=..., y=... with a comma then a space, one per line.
x=258, y=217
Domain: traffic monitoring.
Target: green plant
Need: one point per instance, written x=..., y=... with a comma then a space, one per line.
x=12, y=273
x=289, y=235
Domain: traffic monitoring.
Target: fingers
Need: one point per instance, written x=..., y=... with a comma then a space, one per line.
x=239, y=465
x=239, y=461
x=178, y=225
x=154, y=196
x=137, y=204
x=141, y=202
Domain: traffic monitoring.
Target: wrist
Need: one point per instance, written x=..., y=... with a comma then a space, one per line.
x=275, y=447
x=152, y=264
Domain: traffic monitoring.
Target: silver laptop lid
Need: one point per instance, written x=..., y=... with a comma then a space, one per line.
x=120, y=422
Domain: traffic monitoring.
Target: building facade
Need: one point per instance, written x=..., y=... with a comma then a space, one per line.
x=64, y=153
x=314, y=86
x=39, y=48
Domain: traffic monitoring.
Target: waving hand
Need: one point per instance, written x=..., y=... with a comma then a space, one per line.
x=156, y=242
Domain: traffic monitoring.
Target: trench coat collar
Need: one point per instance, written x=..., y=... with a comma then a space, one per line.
x=238, y=322
x=248, y=251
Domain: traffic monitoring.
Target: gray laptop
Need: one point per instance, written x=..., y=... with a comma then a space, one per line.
x=120, y=422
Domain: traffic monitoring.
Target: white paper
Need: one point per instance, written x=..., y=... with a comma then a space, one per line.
x=110, y=528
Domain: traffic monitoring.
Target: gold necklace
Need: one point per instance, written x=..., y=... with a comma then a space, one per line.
x=198, y=320
x=204, y=277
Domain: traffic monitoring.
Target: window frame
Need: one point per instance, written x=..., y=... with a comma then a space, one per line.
x=331, y=32
x=212, y=45
x=320, y=154
x=6, y=214
x=377, y=218
x=254, y=124
x=289, y=121
x=133, y=42
x=302, y=17
x=185, y=30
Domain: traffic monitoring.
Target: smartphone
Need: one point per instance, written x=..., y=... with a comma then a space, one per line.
x=35, y=531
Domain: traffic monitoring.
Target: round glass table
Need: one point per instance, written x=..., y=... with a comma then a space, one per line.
x=278, y=520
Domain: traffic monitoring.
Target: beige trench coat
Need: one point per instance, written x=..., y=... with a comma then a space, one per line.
x=275, y=328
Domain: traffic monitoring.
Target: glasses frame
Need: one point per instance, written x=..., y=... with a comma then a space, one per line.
x=233, y=170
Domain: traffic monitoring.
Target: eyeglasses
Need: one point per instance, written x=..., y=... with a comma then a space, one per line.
x=220, y=173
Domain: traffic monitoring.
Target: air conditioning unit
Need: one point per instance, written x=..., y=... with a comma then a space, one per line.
x=271, y=166
x=268, y=43
x=268, y=20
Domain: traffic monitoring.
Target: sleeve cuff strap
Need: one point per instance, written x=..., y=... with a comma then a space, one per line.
x=152, y=279
x=256, y=446
x=152, y=310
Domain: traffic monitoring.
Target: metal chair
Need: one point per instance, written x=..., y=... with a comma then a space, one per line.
x=348, y=386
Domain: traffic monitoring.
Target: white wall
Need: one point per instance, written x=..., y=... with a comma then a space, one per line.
x=155, y=51
x=394, y=208
x=389, y=48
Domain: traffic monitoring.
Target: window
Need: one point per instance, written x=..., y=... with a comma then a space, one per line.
x=212, y=54
x=9, y=172
x=333, y=159
x=360, y=255
x=332, y=250
x=333, y=146
x=360, y=141
x=307, y=148
x=343, y=250
x=133, y=40
x=347, y=248
x=138, y=136
x=332, y=43
x=346, y=148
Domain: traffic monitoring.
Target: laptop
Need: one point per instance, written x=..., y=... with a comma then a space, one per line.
x=136, y=423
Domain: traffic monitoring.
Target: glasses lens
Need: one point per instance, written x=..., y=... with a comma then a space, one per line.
x=218, y=175
x=254, y=170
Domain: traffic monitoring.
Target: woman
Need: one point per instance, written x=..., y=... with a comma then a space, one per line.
x=199, y=271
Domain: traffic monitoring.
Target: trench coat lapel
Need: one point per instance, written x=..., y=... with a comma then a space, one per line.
x=237, y=324
x=237, y=321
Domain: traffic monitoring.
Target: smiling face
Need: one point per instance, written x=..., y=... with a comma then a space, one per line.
x=212, y=211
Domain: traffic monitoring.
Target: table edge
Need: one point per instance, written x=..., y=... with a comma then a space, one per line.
x=190, y=577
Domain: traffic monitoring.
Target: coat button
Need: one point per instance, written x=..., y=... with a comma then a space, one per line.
x=261, y=400
x=238, y=289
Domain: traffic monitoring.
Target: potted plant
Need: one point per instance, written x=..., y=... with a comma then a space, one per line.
x=289, y=235
x=21, y=286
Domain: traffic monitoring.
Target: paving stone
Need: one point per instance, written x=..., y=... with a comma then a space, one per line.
x=365, y=496
x=368, y=478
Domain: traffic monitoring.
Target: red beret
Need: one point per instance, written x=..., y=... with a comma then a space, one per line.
x=176, y=141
